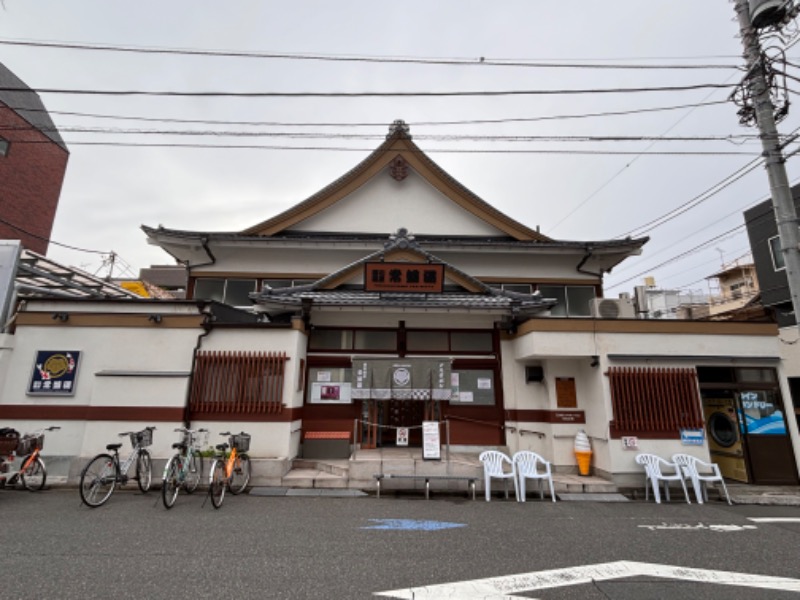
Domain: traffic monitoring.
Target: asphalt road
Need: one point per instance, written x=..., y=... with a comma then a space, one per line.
x=332, y=548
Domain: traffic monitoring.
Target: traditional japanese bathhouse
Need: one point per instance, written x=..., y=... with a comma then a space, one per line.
x=416, y=301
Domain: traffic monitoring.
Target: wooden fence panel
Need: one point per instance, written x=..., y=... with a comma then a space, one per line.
x=238, y=382
x=654, y=401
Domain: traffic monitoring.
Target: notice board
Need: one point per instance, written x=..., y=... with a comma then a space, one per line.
x=431, y=442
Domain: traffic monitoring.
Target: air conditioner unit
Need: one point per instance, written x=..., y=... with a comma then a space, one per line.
x=610, y=308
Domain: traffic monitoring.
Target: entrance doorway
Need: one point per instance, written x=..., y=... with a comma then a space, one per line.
x=746, y=424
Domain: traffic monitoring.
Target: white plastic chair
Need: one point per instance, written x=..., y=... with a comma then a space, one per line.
x=701, y=473
x=654, y=474
x=530, y=465
x=494, y=467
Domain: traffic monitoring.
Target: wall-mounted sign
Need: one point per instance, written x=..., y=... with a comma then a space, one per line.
x=54, y=373
x=692, y=437
x=330, y=393
x=630, y=442
x=404, y=277
x=431, y=442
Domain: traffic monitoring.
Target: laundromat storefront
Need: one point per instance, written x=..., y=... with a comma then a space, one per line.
x=746, y=424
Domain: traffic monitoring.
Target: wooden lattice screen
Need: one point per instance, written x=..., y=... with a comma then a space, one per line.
x=654, y=402
x=238, y=382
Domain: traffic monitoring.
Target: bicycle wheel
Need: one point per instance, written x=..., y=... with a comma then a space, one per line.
x=217, y=483
x=98, y=480
x=171, y=483
x=144, y=470
x=194, y=473
x=34, y=476
x=240, y=476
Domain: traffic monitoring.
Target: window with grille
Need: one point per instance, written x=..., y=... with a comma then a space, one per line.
x=654, y=402
x=238, y=382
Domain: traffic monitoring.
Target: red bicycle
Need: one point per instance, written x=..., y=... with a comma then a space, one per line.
x=32, y=472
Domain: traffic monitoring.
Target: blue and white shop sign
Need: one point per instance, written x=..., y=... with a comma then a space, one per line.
x=692, y=437
x=54, y=373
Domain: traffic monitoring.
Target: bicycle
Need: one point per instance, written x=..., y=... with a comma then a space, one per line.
x=99, y=478
x=32, y=472
x=185, y=468
x=230, y=470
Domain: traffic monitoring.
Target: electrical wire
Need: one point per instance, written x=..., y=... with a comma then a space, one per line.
x=382, y=123
x=47, y=239
x=482, y=61
x=363, y=94
x=554, y=152
x=737, y=139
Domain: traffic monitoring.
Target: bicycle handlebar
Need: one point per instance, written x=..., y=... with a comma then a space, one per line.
x=130, y=432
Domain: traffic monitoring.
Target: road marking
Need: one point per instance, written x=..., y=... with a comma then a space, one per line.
x=775, y=519
x=505, y=588
x=412, y=525
x=698, y=526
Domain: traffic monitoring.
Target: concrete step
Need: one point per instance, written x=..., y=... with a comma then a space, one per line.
x=313, y=479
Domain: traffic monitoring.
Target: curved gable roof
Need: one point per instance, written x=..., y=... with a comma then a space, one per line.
x=398, y=143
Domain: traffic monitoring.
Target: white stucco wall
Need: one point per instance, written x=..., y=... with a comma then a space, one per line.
x=384, y=202
x=568, y=354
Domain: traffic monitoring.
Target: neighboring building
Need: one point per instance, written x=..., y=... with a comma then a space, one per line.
x=392, y=297
x=737, y=287
x=663, y=303
x=33, y=161
x=765, y=246
x=768, y=258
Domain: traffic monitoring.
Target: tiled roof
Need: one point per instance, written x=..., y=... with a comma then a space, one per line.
x=292, y=298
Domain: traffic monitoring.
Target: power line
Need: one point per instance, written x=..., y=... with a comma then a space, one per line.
x=416, y=94
x=430, y=151
x=382, y=123
x=679, y=256
x=735, y=138
x=694, y=202
x=47, y=239
x=478, y=61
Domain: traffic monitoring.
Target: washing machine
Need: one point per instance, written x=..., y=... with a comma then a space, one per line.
x=725, y=436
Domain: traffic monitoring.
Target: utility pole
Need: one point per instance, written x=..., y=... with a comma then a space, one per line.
x=782, y=201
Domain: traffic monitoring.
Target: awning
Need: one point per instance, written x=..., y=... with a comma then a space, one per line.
x=401, y=379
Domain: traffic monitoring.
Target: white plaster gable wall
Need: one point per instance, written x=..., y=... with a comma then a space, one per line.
x=383, y=204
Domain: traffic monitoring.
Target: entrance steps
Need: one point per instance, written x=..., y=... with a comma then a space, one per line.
x=358, y=473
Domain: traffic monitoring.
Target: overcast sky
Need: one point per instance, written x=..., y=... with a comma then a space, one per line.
x=571, y=190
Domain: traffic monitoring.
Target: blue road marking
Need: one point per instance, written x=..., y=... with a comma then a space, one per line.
x=412, y=525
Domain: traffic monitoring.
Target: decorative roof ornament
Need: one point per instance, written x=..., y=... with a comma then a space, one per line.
x=402, y=239
x=398, y=168
x=401, y=127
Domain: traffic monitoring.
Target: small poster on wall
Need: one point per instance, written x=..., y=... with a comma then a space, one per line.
x=431, y=442
x=330, y=393
x=54, y=373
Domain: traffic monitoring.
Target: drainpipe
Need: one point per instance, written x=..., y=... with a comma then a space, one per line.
x=207, y=326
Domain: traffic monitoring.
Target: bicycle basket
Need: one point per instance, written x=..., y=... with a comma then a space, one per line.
x=9, y=440
x=29, y=443
x=143, y=437
x=240, y=441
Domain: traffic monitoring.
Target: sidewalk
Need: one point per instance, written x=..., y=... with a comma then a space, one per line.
x=739, y=493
